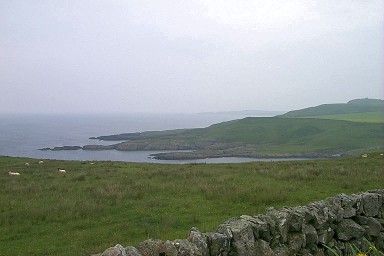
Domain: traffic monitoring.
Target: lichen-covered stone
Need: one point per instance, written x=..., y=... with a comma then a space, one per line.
x=132, y=251
x=150, y=247
x=186, y=248
x=371, y=205
x=262, y=248
x=310, y=233
x=117, y=250
x=199, y=240
x=325, y=236
x=348, y=229
x=218, y=244
x=243, y=241
x=296, y=241
x=259, y=227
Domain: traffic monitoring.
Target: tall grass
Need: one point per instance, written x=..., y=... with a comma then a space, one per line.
x=95, y=206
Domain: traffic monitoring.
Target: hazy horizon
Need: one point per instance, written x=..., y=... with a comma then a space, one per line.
x=195, y=56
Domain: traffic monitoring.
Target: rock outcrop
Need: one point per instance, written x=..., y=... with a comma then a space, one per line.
x=303, y=230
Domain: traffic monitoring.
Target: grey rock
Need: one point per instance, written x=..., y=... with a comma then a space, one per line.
x=168, y=248
x=282, y=224
x=117, y=250
x=325, y=236
x=243, y=241
x=348, y=229
x=370, y=203
x=132, y=251
x=186, y=248
x=199, y=240
x=150, y=247
x=259, y=226
x=219, y=244
x=296, y=241
x=371, y=225
x=262, y=248
x=310, y=233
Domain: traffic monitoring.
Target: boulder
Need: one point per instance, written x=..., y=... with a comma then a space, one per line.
x=311, y=236
x=348, y=229
x=150, y=247
x=296, y=241
x=325, y=236
x=370, y=202
x=243, y=241
x=132, y=251
x=219, y=244
x=117, y=250
x=196, y=237
x=186, y=248
x=262, y=248
x=371, y=225
x=259, y=226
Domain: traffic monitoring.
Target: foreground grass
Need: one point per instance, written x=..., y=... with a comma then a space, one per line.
x=95, y=206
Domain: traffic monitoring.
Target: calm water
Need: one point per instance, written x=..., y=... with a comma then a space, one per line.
x=23, y=135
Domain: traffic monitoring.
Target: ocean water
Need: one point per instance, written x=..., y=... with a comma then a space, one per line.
x=22, y=135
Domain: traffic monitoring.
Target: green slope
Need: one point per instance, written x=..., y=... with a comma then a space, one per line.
x=323, y=130
x=366, y=117
x=273, y=134
x=353, y=106
x=311, y=133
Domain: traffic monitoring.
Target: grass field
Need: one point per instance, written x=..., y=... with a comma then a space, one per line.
x=368, y=117
x=95, y=206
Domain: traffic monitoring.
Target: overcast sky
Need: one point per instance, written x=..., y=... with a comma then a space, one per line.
x=188, y=55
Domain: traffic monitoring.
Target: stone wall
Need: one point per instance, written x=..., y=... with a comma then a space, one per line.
x=303, y=230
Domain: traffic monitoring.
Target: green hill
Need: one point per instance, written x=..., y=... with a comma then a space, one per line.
x=261, y=137
x=322, y=131
x=352, y=107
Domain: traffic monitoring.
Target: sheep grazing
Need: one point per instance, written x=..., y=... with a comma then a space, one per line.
x=61, y=170
x=13, y=173
x=26, y=164
x=364, y=155
x=41, y=162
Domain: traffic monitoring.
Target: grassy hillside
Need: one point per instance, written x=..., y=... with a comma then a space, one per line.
x=271, y=135
x=353, y=106
x=366, y=117
x=95, y=206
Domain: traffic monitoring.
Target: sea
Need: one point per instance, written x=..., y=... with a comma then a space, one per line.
x=22, y=135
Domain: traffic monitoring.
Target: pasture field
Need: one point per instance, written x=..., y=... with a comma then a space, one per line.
x=97, y=205
x=368, y=117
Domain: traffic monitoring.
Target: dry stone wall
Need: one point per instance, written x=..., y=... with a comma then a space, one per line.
x=303, y=230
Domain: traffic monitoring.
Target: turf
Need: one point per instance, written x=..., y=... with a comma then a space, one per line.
x=95, y=206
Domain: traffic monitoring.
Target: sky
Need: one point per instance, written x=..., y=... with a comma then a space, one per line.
x=179, y=56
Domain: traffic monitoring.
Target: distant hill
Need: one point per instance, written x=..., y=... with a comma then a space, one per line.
x=353, y=106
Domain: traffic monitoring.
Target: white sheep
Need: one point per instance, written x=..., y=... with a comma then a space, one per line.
x=26, y=164
x=13, y=173
x=41, y=162
x=61, y=170
x=364, y=155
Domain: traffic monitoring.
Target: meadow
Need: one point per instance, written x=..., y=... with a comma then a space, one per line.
x=97, y=205
x=367, y=117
